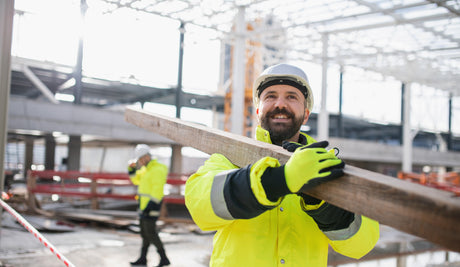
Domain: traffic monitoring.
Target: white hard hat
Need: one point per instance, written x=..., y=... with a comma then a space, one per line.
x=141, y=150
x=283, y=74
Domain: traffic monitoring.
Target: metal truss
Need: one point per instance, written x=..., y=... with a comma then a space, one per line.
x=410, y=40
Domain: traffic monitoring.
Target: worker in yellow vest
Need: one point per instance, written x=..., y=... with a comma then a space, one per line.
x=259, y=213
x=150, y=177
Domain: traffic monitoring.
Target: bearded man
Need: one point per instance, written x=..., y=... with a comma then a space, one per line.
x=260, y=216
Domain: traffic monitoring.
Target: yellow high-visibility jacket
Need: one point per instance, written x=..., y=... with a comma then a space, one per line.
x=254, y=231
x=150, y=180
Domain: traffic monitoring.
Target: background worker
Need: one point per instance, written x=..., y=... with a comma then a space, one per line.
x=150, y=177
x=260, y=215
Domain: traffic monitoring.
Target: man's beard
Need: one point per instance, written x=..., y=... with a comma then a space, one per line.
x=281, y=131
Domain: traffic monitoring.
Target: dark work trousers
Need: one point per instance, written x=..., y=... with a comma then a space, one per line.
x=149, y=235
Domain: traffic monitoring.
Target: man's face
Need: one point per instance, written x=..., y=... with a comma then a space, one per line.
x=142, y=161
x=282, y=111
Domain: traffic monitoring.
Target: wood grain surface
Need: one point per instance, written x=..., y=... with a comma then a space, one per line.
x=426, y=212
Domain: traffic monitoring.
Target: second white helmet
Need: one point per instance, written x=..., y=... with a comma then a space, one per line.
x=141, y=150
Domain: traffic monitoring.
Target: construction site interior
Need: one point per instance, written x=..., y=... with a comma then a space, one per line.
x=389, y=70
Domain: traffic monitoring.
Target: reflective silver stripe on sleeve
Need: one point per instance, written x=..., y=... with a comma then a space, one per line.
x=219, y=206
x=346, y=233
x=149, y=196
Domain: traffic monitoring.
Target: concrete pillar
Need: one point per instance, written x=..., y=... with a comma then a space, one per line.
x=6, y=33
x=407, y=133
x=74, y=148
x=237, y=116
x=401, y=261
x=215, y=117
x=323, y=118
x=28, y=154
x=176, y=159
x=50, y=151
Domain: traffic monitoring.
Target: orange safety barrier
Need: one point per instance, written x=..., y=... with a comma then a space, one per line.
x=449, y=181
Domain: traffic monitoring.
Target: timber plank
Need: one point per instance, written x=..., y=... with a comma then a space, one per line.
x=422, y=211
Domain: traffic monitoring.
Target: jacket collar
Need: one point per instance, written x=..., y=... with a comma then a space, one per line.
x=151, y=163
x=264, y=136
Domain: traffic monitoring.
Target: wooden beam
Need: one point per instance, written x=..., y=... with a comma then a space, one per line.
x=415, y=209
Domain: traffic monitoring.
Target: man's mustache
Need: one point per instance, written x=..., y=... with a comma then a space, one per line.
x=278, y=111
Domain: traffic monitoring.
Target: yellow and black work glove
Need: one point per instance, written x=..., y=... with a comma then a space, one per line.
x=291, y=147
x=131, y=169
x=308, y=166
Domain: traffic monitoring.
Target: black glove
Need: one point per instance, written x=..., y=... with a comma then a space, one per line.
x=292, y=146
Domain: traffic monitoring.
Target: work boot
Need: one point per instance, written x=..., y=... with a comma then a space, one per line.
x=164, y=261
x=139, y=262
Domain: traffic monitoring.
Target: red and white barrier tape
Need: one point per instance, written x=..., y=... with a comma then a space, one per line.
x=37, y=234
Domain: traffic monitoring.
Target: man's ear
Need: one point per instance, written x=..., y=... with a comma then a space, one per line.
x=258, y=117
x=307, y=115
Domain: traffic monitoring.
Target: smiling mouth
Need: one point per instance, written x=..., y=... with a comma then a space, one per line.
x=280, y=118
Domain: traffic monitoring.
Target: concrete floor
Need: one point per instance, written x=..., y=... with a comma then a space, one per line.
x=186, y=246
x=96, y=246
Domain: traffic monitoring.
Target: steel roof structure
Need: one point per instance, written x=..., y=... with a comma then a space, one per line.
x=410, y=40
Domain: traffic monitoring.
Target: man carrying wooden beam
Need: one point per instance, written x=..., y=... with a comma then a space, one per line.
x=260, y=215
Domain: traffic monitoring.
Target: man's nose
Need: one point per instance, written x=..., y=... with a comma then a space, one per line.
x=280, y=102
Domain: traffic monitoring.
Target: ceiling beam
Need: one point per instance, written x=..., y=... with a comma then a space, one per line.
x=443, y=4
x=39, y=84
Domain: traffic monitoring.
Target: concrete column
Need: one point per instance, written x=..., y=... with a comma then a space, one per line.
x=50, y=151
x=28, y=154
x=407, y=133
x=215, y=117
x=74, y=148
x=323, y=118
x=237, y=116
x=176, y=159
x=6, y=33
x=401, y=261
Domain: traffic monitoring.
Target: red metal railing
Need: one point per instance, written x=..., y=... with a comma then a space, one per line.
x=90, y=185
